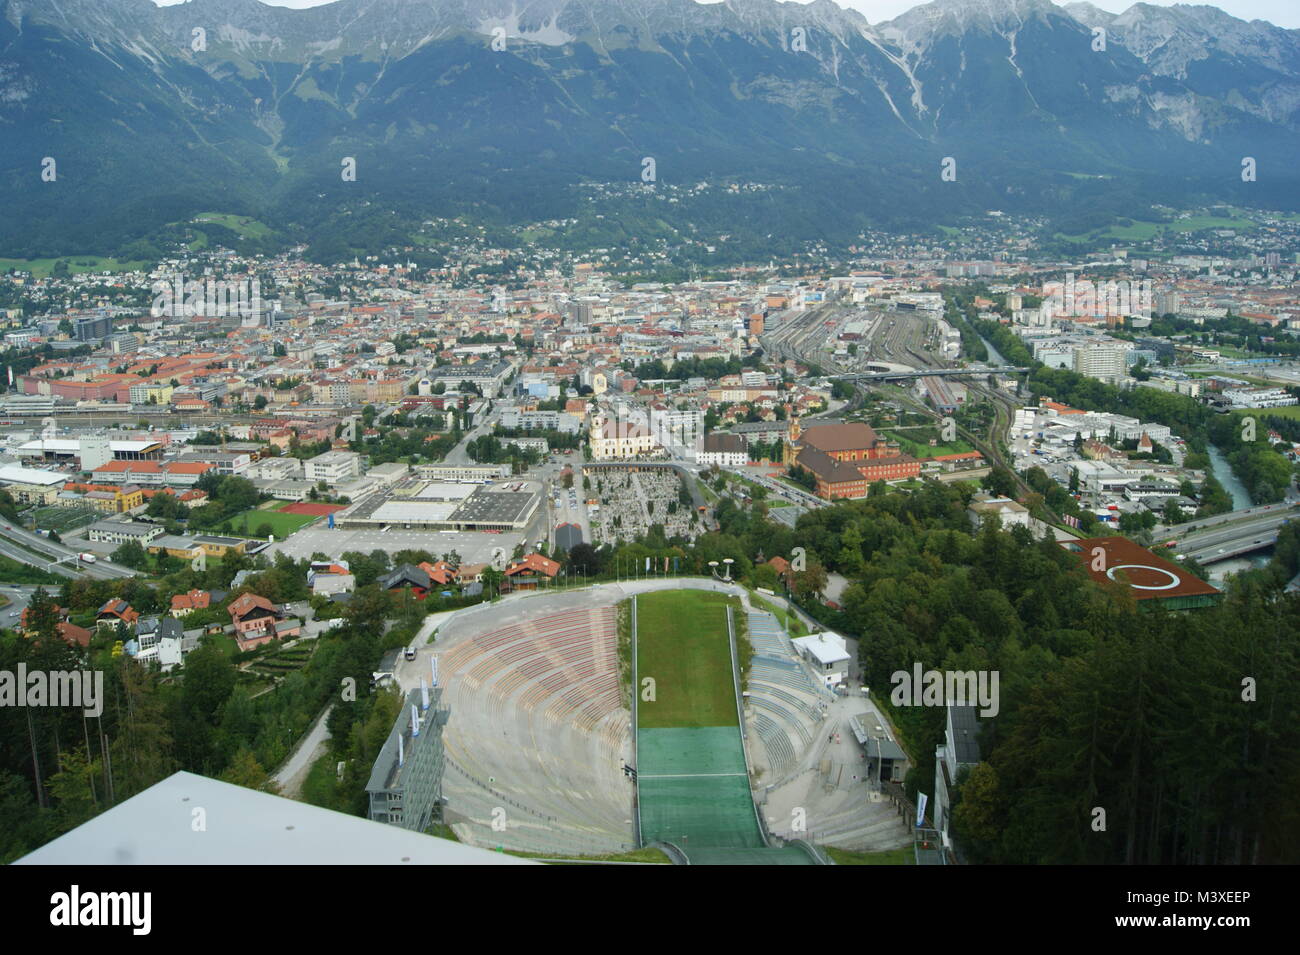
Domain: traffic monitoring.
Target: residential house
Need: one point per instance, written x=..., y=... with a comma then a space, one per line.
x=70, y=632
x=183, y=604
x=254, y=618
x=116, y=611
x=530, y=572
x=331, y=577
x=408, y=577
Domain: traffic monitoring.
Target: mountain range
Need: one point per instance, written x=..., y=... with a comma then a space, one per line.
x=153, y=114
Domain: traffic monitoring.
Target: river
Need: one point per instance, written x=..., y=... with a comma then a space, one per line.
x=1240, y=498
x=1223, y=471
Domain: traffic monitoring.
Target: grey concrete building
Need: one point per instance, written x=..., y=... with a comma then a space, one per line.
x=405, y=786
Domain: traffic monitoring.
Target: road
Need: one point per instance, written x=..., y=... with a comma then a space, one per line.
x=293, y=773
x=11, y=536
x=459, y=455
x=20, y=595
x=780, y=489
x=1200, y=523
x=1226, y=540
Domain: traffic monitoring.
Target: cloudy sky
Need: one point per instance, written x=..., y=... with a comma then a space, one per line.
x=1284, y=13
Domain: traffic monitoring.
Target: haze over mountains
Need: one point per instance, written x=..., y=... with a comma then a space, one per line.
x=850, y=132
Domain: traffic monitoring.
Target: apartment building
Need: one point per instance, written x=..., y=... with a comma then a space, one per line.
x=1104, y=362
x=333, y=467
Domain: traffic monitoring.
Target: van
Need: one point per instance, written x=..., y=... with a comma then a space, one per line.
x=410, y=653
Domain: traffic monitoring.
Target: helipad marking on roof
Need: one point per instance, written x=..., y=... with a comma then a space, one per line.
x=1174, y=579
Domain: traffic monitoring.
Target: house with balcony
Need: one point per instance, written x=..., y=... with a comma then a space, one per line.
x=531, y=572
x=115, y=612
x=255, y=620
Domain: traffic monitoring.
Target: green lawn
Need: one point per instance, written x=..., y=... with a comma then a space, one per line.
x=1142, y=230
x=41, y=268
x=682, y=644
x=13, y=572
x=904, y=856
x=282, y=525
x=908, y=442
x=248, y=227
x=1196, y=223
x=652, y=856
x=226, y=642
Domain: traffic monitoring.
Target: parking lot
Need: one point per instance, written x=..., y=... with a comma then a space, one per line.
x=571, y=508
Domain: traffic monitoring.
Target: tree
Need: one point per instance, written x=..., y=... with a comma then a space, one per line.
x=586, y=558
x=999, y=481
x=1172, y=513
x=42, y=617
x=244, y=770
x=976, y=816
x=131, y=554
x=809, y=584
x=492, y=580
x=73, y=789
x=803, y=477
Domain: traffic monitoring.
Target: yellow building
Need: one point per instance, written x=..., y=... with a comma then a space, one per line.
x=106, y=497
x=618, y=440
x=151, y=392
x=35, y=494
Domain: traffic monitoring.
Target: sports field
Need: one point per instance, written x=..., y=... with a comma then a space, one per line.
x=682, y=644
x=281, y=524
x=314, y=508
x=691, y=776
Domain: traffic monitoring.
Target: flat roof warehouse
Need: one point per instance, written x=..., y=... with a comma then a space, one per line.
x=433, y=507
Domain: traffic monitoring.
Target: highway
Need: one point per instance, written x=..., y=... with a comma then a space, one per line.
x=1203, y=523
x=11, y=550
x=1223, y=541
x=11, y=536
